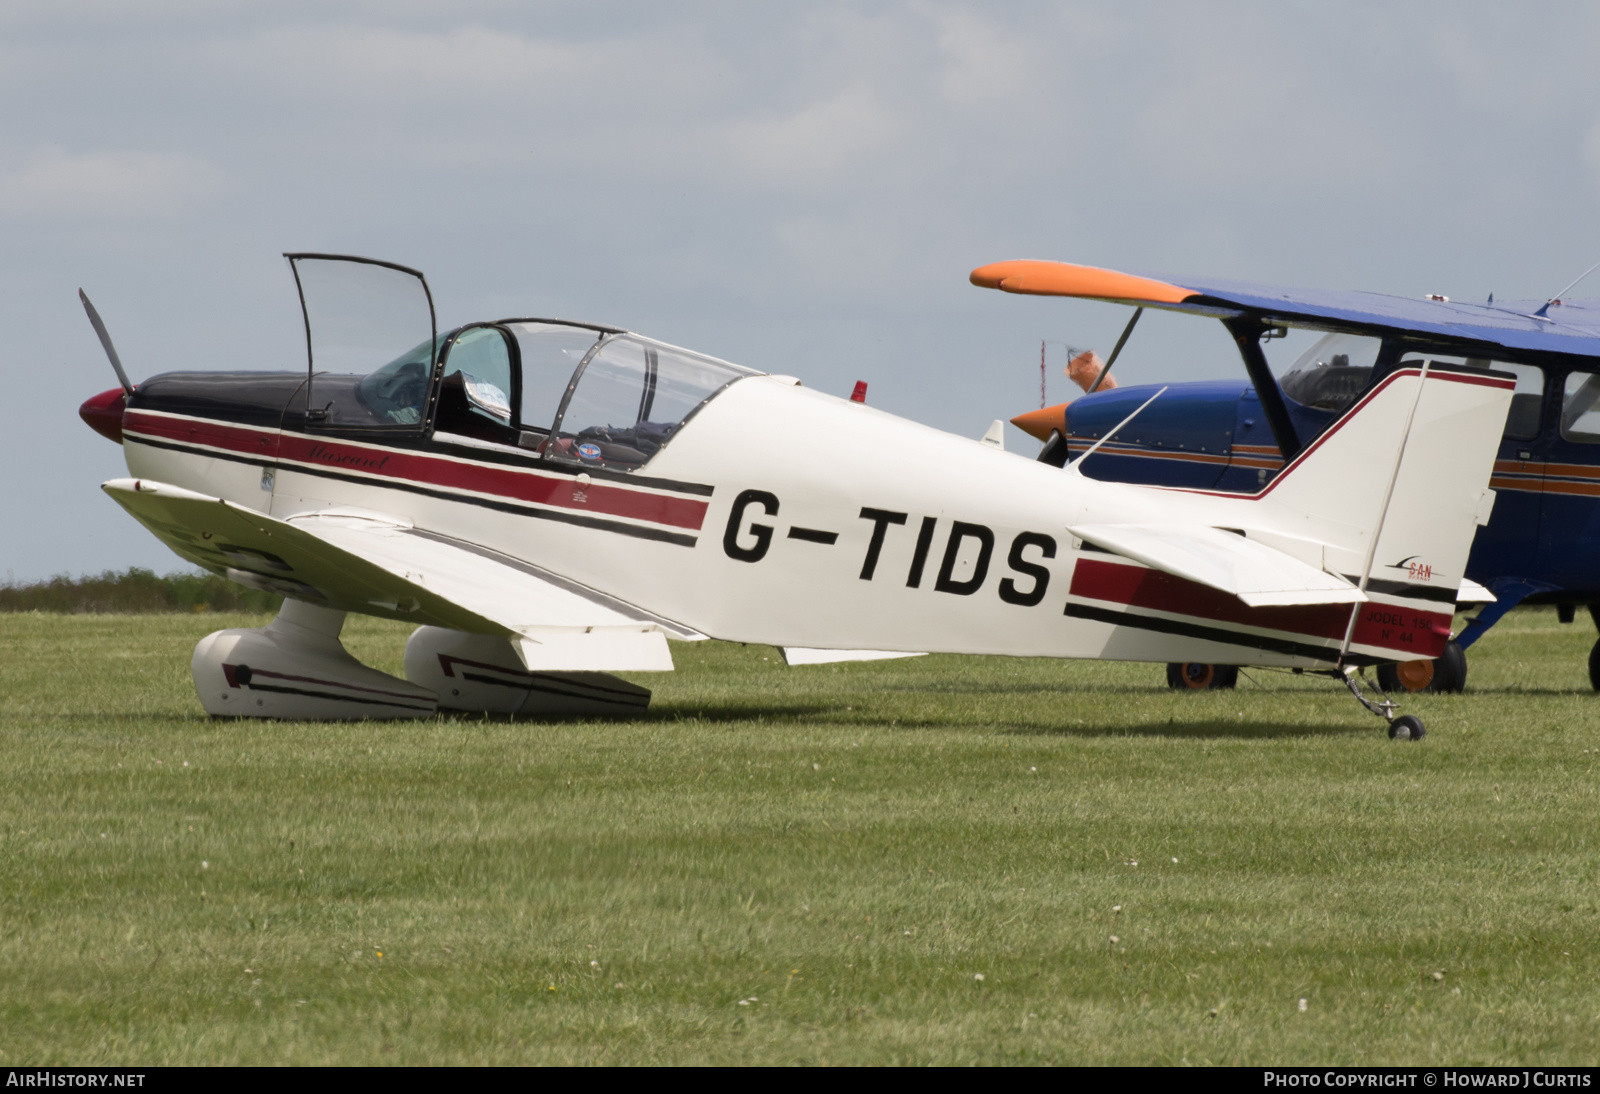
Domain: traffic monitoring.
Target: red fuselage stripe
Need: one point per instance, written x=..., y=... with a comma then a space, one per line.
x=1410, y=631
x=557, y=491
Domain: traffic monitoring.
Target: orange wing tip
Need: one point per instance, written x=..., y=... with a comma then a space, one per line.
x=1039, y=424
x=1034, y=278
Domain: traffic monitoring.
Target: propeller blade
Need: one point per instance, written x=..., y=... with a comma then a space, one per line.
x=105, y=340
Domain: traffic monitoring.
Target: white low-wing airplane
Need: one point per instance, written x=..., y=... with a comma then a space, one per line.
x=550, y=501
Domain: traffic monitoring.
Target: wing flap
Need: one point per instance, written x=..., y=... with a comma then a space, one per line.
x=1259, y=575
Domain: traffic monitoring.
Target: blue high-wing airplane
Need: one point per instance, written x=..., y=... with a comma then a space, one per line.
x=1541, y=544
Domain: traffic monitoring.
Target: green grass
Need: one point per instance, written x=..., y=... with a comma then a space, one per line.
x=848, y=848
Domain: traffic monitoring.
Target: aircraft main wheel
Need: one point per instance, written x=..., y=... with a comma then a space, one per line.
x=1194, y=676
x=1407, y=727
x=1405, y=675
x=1594, y=667
x=1447, y=673
x=1450, y=669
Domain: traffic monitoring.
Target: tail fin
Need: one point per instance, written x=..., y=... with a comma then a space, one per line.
x=1396, y=488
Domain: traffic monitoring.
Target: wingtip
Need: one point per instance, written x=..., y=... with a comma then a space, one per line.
x=1033, y=277
x=990, y=276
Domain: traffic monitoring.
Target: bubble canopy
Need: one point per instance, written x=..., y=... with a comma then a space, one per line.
x=578, y=392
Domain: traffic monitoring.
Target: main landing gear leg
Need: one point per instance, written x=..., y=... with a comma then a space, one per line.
x=1403, y=727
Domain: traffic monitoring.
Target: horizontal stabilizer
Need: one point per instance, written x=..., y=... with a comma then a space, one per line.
x=799, y=655
x=1259, y=575
x=1473, y=593
x=376, y=565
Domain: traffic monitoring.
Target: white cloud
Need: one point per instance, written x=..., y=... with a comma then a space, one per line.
x=342, y=63
x=820, y=143
x=1250, y=106
x=850, y=255
x=981, y=63
x=52, y=182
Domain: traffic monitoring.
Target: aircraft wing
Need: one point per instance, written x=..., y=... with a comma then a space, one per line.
x=1564, y=326
x=379, y=565
x=1257, y=574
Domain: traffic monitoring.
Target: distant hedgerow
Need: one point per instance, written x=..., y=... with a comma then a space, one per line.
x=136, y=590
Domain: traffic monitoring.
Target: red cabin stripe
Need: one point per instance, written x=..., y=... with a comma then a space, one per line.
x=259, y=443
x=557, y=491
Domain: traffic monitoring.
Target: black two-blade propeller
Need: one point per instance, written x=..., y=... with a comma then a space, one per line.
x=105, y=340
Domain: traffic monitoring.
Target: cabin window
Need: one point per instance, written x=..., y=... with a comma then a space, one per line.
x=1330, y=374
x=479, y=363
x=1580, y=408
x=550, y=353
x=1527, y=400
x=631, y=398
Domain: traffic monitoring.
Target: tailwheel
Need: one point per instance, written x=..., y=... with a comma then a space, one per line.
x=1407, y=727
x=1402, y=727
x=1195, y=676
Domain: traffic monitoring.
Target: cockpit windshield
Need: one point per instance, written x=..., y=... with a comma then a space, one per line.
x=631, y=397
x=395, y=393
x=1330, y=374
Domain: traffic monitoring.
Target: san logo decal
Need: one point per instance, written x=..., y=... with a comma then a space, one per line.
x=1416, y=571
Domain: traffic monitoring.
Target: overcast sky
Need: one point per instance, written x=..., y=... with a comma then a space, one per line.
x=802, y=188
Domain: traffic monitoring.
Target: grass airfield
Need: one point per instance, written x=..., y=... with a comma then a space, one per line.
x=916, y=862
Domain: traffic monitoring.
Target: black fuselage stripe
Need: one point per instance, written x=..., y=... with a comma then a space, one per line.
x=1404, y=589
x=579, y=519
x=1197, y=630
